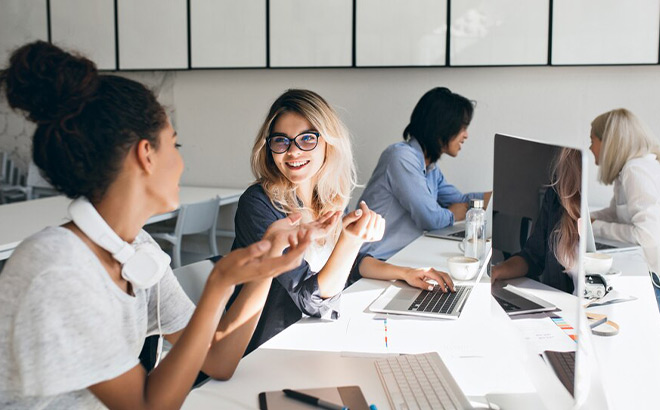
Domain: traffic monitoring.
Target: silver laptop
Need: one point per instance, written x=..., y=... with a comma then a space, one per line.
x=516, y=302
x=401, y=299
x=605, y=245
x=456, y=232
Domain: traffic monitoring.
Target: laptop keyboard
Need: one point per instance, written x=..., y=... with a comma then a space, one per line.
x=437, y=301
x=506, y=305
x=419, y=381
x=602, y=246
x=563, y=363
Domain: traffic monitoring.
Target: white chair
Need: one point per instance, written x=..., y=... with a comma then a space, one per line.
x=193, y=278
x=37, y=185
x=193, y=218
x=12, y=182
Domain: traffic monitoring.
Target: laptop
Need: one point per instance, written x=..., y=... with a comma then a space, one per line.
x=401, y=299
x=456, y=232
x=605, y=245
x=516, y=302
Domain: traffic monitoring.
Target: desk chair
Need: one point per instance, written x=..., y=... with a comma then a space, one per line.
x=12, y=182
x=192, y=278
x=36, y=184
x=193, y=218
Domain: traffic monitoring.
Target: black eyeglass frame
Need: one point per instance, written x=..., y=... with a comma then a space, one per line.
x=294, y=139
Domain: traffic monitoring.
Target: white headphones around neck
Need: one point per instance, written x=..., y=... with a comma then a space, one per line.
x=143, y=265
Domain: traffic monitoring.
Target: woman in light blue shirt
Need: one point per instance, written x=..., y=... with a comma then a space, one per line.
x=407, y=188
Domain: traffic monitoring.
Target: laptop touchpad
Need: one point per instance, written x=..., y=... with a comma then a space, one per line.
x=403, y=299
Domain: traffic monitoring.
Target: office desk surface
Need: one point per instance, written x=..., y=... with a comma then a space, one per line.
x=483, y=349
x=21, y=219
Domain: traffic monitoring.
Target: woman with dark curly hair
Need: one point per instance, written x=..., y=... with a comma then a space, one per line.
x=79, y=299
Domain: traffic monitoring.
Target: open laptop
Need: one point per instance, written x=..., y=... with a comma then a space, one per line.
x=401, y=299
x=516, y=302
x=605, y=245
x=456, y=232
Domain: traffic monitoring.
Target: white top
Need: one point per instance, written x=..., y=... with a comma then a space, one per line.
x=65, y=325
x=634, y=212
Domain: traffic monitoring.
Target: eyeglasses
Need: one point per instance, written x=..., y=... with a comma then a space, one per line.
x=279, y=143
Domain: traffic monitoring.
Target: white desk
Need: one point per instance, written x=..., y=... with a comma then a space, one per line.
x=21, y=219
x=482, y=349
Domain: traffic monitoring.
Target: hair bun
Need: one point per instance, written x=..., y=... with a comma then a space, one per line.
x=47, y=82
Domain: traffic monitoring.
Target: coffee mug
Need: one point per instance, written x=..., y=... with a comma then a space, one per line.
x=598, y=263
x=462, y=267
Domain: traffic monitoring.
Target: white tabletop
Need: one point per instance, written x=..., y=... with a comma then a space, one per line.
x=21, y=219
x=483, y=349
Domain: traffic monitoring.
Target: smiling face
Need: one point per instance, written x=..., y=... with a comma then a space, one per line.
x=455, y=143
x=595, y=147
x=299, y=167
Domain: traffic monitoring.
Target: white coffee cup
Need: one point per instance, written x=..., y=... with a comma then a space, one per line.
x=463, y=267
x=599, y=263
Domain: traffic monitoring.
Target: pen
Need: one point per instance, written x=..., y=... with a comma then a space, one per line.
x=385, y=322
x=315, y=401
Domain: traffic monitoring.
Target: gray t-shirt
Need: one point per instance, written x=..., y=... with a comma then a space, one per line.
x=65, y=325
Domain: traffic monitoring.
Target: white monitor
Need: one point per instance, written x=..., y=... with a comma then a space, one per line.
x=523, y=172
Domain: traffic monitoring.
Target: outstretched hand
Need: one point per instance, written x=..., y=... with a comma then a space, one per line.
x=253, y=263
x=364, y=224
x=285, y=231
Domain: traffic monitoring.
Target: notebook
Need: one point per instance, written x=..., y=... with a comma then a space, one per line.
x=348, y=396
x=401, y=299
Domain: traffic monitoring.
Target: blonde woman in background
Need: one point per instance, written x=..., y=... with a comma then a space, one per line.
x=628, y=156
x=303, y=162
x=550, y=254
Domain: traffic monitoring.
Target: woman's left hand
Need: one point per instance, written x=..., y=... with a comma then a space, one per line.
x=364, y=224
x=419, y=277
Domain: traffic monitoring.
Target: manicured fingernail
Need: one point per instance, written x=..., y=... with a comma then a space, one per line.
x=358, y=212
x=430, y=287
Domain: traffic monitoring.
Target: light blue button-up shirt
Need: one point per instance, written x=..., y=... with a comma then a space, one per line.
x=412, y=197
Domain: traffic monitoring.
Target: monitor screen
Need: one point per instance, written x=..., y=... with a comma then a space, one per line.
x=537, y=257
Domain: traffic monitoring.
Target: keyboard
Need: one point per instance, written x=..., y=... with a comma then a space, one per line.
x=420, y=381
x=603, y=247
x=459, y=234
x=438, y=301
x=506, y=305
x=563, y=363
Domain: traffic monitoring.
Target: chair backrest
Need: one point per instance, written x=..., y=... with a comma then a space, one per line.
x=34, y=178
x=197, y=217
x=193, y=278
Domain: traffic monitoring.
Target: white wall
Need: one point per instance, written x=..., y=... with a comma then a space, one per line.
x=219, y=112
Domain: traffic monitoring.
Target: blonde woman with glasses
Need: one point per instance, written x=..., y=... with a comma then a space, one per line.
x=303, y=162
x=628, y=156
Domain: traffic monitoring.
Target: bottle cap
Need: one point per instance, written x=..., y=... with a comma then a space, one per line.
x=477, y=203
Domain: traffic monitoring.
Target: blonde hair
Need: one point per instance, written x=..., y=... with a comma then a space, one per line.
x=567, y=183
x=624, y=137
x=337, y=176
